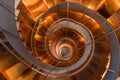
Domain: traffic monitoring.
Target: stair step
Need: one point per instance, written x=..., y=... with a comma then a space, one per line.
x=28, y=75
x=39, y=10
x=51, y=3
x=14, y=72
x=93, y=4
x=6, y=61
x=25, y=15
x=79, y=1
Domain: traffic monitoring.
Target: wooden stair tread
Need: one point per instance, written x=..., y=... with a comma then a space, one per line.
x=14, y=72
x=7, y=61
x=28, y=75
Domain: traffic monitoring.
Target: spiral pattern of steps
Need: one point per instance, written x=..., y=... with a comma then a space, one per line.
x=59, y=39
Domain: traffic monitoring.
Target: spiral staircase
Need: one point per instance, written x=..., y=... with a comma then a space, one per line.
x=59, y=39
